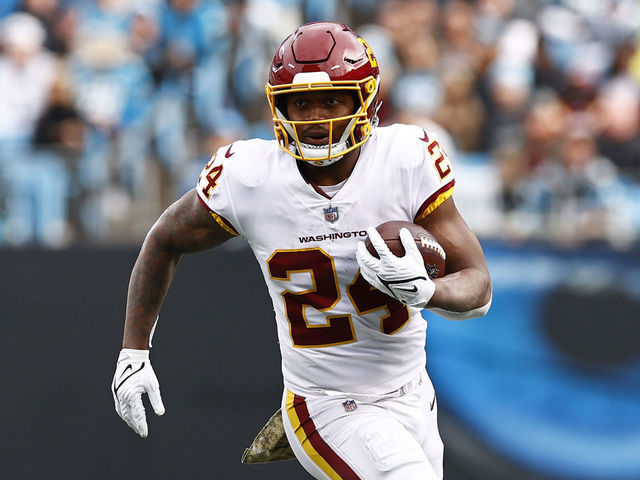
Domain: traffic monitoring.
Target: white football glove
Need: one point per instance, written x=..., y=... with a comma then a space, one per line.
x=403, y=278
x=135, y=376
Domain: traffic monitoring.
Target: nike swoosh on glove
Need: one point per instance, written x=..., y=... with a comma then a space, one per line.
x=135, y=376
x=403, y=278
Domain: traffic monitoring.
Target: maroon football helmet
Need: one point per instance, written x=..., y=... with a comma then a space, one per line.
x=324, y=56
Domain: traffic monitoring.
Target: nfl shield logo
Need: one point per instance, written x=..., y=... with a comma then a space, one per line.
x=331, y=214
x=350, y=405
x=432, y=270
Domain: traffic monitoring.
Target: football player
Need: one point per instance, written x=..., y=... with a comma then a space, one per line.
x=357, y=401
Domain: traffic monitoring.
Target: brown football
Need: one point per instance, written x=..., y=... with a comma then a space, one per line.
x=432, y=253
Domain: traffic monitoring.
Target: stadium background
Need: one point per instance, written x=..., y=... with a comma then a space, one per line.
x=108, y=110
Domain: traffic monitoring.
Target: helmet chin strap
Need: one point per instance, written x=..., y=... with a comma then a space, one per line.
x=311, y=152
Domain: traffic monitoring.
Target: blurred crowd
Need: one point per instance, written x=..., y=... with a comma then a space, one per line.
x=109, y=108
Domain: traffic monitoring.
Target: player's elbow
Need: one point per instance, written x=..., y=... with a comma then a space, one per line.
x=476, y=302
x=481, y=310
x=476, y=312
x=485, y=291
x=485, y=296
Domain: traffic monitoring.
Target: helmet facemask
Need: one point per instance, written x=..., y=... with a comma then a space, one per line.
x=358, y=129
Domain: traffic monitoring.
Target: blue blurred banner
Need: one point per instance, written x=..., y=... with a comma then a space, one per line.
x=550, y=379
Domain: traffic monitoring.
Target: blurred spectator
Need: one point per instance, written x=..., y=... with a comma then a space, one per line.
x=26, y=75
x=544, y=126
x=579, y=189
x=510, y=81
x=461, y=112
x=144, y=36
x=37, y=191
x=59, y=23
x=190, y=29
x=112, y=88
x=521, y=199
x=60, y=134
x=407, y=20
x=459, y=41
x=103, y=17
x=409, y=53
x=490, y=19
x=618, y=115
x=60, y=125
x=417, y=88
x=509, y=87
x=192, y=34
x=36, y=186
x=118, y=103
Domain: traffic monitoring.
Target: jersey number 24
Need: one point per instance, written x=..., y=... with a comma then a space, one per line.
x=324, y=295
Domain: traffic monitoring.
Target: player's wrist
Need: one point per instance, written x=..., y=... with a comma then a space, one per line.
x=136, y=344
x=426, y=295
x=134, y=354
x=425, y=291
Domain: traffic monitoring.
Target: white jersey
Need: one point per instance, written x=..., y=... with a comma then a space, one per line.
x=336, y=332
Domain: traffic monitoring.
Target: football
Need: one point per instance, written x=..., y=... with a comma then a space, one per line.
x=432, y=252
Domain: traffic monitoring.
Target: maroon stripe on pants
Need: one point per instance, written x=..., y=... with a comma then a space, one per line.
x=325, y=451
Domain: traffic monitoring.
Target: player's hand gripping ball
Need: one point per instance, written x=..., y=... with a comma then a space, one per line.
x=395, y=262
x=432, y=252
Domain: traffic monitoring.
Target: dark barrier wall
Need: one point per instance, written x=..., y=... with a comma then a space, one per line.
x=215, y=353
x=550, y=374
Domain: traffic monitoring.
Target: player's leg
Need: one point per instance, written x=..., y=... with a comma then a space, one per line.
x=381, y=448
x=418, y=412
x=351, y=442
x=318, y=457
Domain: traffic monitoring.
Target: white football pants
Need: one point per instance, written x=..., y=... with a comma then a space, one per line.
x=393, y=437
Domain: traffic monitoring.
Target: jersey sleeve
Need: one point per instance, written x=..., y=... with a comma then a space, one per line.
x=433, y=180
x=214, y=193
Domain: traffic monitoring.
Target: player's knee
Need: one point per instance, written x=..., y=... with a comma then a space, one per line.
x=394, y=453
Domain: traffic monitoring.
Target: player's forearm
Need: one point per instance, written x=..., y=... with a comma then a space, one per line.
x=150, y=280
x=463, y=291
x=184, y=227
